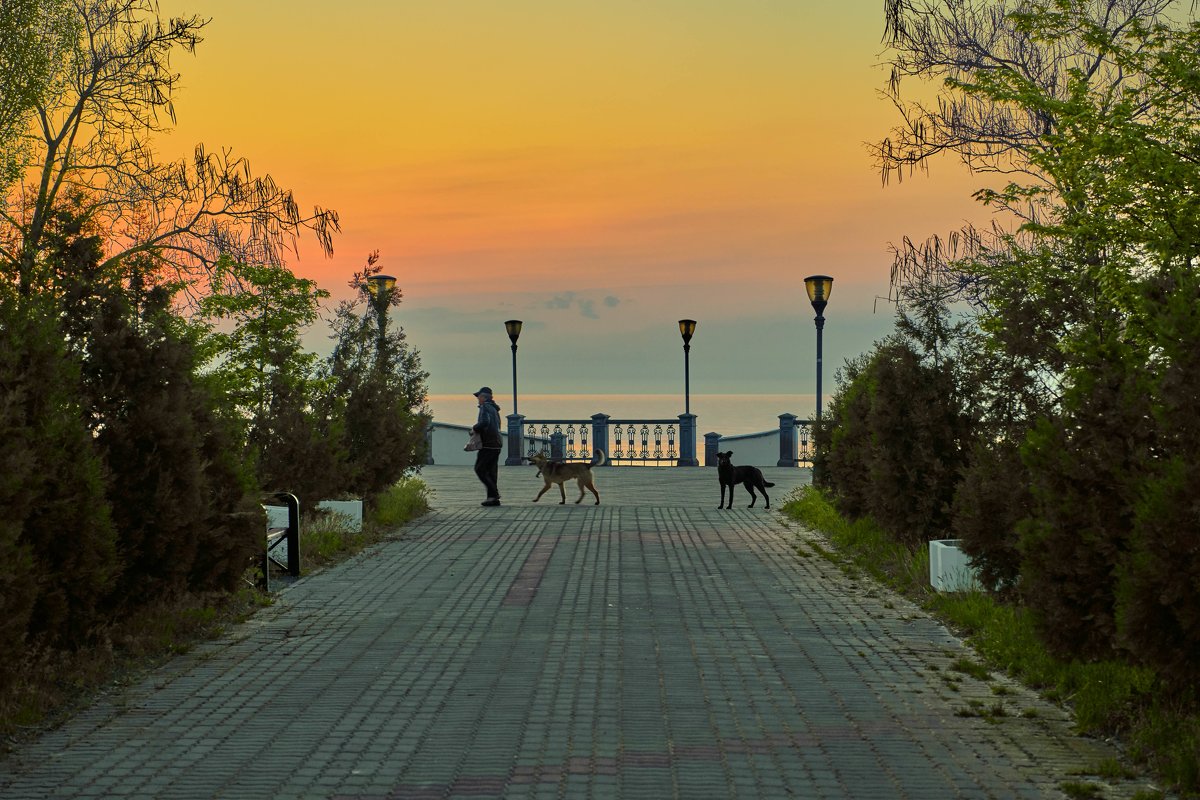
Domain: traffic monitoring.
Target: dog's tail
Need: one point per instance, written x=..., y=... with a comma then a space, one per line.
x=599, y=459
x=767, y=483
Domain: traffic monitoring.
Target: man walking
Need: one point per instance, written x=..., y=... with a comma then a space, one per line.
x=487, y=458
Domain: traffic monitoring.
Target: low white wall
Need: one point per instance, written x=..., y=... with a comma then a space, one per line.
x=447, y=442
x=752, y=449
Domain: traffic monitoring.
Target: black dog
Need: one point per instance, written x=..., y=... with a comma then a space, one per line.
x=731, y=476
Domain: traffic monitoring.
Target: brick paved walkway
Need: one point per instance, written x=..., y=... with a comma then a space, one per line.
x=651, y=647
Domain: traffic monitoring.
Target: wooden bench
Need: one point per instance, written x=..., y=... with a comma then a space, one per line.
x=278, y=534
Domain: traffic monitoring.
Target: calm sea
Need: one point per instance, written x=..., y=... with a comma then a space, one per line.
x=726, y=414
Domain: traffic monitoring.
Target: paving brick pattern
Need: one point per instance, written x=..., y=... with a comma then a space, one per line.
x=650, y=647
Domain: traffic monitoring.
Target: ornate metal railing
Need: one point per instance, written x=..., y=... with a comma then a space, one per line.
x=631, y=440
x=805, y=447
x=658, y=442
x=561, y=439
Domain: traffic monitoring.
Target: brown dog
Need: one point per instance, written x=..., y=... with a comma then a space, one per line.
x=750, y=477
x=560, y=472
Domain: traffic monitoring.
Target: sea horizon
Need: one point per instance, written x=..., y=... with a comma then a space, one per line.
x=726, y=414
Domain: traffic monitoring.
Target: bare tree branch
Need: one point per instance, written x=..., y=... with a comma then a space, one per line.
x=92, y=142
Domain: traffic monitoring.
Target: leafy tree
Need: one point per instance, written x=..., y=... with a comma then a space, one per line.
x=92, y=137
x=991, y=57
x=265, y=371
x=378, y=387
x=1086, y=111
x=35, y=38
x=1087, y=108
x=269, y=308
x=303, y=449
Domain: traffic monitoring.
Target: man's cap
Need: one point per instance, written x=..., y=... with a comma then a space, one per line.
x=486, y=390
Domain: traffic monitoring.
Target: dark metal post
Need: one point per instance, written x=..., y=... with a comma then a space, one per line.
x=687, y=380
x=687, y=327
x=513, y=326
x=820, y=320
x=514, y=351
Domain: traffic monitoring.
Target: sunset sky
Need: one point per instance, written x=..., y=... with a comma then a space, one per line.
x=596, y=169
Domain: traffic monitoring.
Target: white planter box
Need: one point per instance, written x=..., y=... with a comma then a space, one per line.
x=950, y=568
x=350, y=509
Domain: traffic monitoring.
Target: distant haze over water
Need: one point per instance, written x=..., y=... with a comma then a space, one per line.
x=726, y=414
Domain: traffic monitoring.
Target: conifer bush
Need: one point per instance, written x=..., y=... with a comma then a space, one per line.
x=991, y=500
x=843, y=453
x=178, y=496
x=896, y=450
x=1084, y=467
x=376, y=385
x=919, y=437
x=58, y=556
x=1159, y=594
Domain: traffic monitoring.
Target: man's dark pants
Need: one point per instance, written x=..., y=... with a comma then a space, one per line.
x=487, y=467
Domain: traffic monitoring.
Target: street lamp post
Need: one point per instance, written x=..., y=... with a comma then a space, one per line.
x=515, y=421
x=687, y=327
x=687, y=422
x=513, y=326
x=819, y=287
x=380, y=288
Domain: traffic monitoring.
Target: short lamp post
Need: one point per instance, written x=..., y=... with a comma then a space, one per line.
x=687, y=327
x=380, y=288
x=819, y=287
x=513, y=326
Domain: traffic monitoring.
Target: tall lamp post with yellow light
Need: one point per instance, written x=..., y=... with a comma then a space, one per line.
x=380, y=288
x=687, y=422
x=819, y=287
x=687, y=327
x=515, y=420
x=513, y=326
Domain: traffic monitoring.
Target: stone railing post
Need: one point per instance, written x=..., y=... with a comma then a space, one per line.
x=787, y=440
x=558, y=441
x=516, y=435
x=712, y=445
x=600, y=436
x=687, y=441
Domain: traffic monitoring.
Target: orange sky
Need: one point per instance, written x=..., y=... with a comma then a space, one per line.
x=597, y=169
